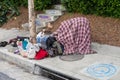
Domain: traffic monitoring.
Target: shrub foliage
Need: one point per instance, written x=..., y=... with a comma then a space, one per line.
x=7, y=10
x=109, y=8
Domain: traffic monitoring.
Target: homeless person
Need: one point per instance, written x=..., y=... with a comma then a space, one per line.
x=74, y=35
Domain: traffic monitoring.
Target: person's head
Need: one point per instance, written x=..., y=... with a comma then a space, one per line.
x=47, y=29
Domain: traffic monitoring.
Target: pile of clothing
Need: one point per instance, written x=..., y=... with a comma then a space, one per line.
x=46, y=46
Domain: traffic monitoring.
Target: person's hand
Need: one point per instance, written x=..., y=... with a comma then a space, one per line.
x=49, y=25
x=43, y=30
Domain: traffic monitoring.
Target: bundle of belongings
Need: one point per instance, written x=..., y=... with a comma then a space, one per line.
x=49, y=43
x=46, y=46
x=72, y=37
x=26, y=49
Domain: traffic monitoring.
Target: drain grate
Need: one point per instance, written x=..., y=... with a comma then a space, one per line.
x=54, y=75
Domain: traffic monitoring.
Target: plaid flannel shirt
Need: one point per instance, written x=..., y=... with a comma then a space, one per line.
x=74, y=34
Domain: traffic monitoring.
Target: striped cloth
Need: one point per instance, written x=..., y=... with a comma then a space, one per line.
x=74, y=34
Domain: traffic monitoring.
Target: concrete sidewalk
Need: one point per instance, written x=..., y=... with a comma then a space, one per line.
x=107, y=59
x=104, y=65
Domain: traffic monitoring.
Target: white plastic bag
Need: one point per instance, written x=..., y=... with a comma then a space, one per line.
x=32, y=49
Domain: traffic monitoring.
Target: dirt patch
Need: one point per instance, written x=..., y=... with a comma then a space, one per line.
x=104, y=30
x=16, y=22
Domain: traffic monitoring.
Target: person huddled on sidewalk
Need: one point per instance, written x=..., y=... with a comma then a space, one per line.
x=74, y=35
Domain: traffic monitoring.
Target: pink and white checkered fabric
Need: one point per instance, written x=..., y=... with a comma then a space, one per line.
x=74, y=34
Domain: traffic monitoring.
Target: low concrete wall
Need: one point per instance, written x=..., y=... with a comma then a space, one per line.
x=17, y=59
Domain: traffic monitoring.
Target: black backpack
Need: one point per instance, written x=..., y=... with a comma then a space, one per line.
x=53, y=50
x=50, y=41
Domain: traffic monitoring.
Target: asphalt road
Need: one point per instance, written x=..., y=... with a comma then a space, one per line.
x=5, y=77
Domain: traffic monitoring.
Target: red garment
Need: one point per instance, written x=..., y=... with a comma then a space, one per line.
x=74, y=34
x=41, y=54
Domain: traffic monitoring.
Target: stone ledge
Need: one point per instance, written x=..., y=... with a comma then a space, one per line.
x=16, y=59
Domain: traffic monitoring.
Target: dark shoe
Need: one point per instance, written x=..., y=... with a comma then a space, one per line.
x=3, y=44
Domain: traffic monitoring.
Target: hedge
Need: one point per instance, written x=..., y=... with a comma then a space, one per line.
x=109, y=8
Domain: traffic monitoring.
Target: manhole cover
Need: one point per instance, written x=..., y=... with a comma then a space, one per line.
x=102, y=70
x=72, y=57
